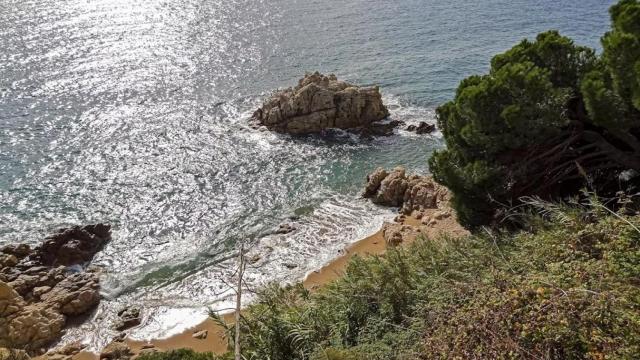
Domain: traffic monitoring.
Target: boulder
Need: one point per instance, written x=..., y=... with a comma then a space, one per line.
x=67, y=352
x=116, y=350
x=409, y=193
x=18, y=250
x=128, y=318
x=396, y=234
x=285, y=229
x=321, y=102
x=389, y=190
x=422, y=128
x=200, y=335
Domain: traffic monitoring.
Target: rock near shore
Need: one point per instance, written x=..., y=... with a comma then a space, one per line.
x=409, y=193
x=322, y=102
x=38, y=290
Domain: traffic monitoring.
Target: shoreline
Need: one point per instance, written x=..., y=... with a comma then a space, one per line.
x=373, y=244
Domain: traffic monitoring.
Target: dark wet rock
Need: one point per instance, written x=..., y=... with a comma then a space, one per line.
x=37, y=296
x=71, y=246
x=290, y=266
x=321, y=102
x=377, y=129
x=128, y=318
x=285, y=229
x=422, y=128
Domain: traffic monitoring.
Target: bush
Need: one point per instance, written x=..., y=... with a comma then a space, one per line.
x=180, y=354
x=549, y=119
x=567, y=288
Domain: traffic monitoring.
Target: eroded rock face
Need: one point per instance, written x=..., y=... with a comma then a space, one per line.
x=321, y=102
x=38, y=291
x=409, y=193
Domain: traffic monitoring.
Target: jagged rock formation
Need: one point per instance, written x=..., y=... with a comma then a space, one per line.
x=322, y=102
x=38, y=291
x=410, y=193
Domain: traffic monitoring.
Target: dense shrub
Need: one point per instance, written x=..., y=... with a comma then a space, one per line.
x=568, y=288
x=180, y=354
x=549, y=119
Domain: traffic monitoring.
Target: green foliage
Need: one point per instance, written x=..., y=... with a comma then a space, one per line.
x=566, y=62
x=565, y=289
x=622, y=50
x=612, y=92
x=549, y=118
x=180, y=354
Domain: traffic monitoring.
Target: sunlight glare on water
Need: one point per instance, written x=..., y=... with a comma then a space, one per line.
x=135, y=113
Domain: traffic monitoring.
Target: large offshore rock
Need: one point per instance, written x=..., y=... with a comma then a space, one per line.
x=321, y=102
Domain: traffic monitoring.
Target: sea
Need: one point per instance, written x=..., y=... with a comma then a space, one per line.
x=135, y=113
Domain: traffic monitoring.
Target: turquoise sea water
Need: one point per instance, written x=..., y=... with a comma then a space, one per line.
x=135, y=113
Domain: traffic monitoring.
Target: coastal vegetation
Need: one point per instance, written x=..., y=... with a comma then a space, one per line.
x=549, y=119
x=564, y=287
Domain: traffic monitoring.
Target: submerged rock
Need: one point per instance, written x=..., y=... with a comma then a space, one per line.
x=321, y=102
x=37, y=295
x=410, y=193
x=285, y=229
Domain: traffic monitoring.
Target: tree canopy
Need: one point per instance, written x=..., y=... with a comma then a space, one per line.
x=549, y=119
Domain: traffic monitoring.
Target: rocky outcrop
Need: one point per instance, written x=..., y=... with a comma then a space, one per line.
x=422, y=128
x=38, y=290
x=321, y=102
x=74, y=245
x=409, y=193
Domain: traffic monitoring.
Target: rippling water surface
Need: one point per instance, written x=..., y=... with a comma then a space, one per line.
x=135, y=113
